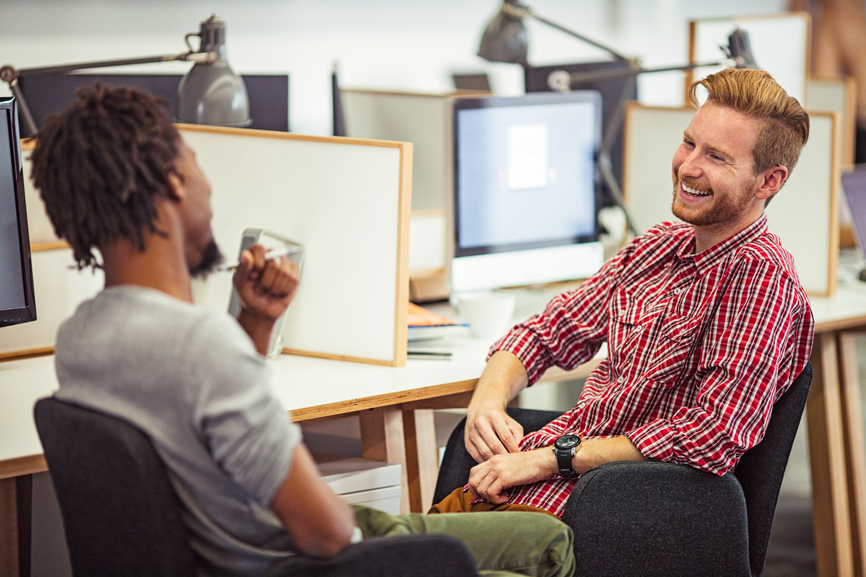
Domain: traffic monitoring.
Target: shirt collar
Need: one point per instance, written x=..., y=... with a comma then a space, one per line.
x=711, y=257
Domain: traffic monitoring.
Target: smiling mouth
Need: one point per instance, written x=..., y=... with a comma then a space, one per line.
x=694, y=191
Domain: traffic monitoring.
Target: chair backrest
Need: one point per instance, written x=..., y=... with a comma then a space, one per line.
x=120, y=512
x=761, y=469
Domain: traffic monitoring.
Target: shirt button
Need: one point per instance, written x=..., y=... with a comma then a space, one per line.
x=676, y=291
x=638, y=329
x=621, y=379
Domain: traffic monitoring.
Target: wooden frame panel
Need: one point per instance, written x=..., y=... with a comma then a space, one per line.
x=348, y=202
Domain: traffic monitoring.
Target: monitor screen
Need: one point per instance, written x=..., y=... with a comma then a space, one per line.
x=17, y=301
x=612, y=90
x=854, y=185
x=47, y=94
x=525, y=184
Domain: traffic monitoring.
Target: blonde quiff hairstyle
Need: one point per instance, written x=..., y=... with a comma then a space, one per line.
x=784, y=125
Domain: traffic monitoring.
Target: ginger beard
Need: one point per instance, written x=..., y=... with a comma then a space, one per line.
x=708, y=209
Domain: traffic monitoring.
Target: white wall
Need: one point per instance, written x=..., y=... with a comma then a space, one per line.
x=396, y=44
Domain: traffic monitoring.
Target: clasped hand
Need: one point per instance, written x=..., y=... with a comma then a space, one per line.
x=493, y=478
x=265, y=287
x=491, y=432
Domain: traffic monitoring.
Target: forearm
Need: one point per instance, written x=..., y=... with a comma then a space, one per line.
x=258, y=327
x=319, y=522
x=595, y=452
x=503, y=378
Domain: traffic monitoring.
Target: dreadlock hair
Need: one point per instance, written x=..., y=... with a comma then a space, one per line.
x=100, y=164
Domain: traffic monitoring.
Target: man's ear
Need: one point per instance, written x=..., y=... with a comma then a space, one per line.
x=174, y=186
x=771, y=181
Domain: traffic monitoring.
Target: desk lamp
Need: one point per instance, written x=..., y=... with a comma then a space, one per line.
x=504, y=40
x=210, y=93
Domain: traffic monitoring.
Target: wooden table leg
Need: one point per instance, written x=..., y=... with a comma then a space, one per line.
x=15, y=506
x=422, y=457
x=855, y=447
x=833, y=546
x=382, y=439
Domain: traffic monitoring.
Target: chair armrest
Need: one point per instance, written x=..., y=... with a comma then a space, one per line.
x=638, y=518
x=410, y=555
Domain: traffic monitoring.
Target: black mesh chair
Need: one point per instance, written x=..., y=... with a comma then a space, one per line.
x=653, y=518
x=122, y=517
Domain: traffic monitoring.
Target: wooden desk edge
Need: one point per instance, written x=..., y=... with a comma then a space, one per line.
x=21, y=466
x=853, y=323
x=432, y=397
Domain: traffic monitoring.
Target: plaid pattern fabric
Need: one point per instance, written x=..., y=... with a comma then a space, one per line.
x=699, y=349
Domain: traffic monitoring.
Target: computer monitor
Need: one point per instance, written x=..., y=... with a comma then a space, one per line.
x=525, y=190
x=47, y=94
x=854, y=185
x=17, y=300
x=611, y=89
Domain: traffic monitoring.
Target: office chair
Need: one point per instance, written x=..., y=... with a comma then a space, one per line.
x=123, y=518
x=654, y=518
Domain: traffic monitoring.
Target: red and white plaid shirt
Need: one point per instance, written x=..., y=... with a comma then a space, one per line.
x=699, y=349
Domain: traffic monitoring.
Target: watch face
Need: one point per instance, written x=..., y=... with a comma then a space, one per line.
x=567, y=442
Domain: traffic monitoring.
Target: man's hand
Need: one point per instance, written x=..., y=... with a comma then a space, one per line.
x=492, y=478
x=265, y=289
x=491, y=432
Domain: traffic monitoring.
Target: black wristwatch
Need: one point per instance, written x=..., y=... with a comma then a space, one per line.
x=564, y=448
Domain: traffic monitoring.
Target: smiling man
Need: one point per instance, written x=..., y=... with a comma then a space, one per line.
x=705, y=322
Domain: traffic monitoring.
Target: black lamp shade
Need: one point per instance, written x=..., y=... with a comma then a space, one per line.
x=740, y=49
x=210, y=93
x=213, y=94
x=504, y=40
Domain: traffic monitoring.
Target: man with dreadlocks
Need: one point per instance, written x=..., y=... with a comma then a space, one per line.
x=118, y=180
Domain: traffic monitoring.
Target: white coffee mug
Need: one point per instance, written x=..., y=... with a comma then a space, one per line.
x=489, y=314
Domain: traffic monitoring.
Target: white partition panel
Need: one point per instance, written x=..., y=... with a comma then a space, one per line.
x=780, y=45
x=652, y=135
x=59, y=288
x=425, y=120
x=347, y=202
x=837, y=95
x=804, y=214
x=422, y=119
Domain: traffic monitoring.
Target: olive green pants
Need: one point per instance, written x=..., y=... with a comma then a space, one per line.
x=502, y=542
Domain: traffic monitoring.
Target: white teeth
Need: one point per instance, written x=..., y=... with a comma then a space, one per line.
x=694, y=191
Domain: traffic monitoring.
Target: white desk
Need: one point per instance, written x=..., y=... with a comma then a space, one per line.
x=394, y=405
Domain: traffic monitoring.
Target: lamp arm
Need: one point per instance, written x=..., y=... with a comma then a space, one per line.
x=10, y=74
x=635, y=70
x=518, y=11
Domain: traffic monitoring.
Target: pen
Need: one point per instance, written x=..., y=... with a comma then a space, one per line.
x=270, y=255
x=429, y=355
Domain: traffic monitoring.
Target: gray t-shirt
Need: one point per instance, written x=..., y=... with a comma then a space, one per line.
x=192, y=380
